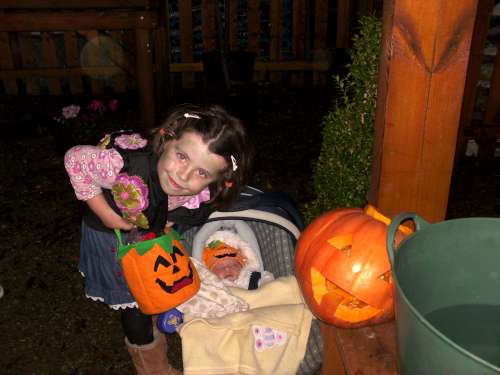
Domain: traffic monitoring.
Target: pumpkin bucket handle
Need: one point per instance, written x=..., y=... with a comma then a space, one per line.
x=394, y=225
x=119, y=236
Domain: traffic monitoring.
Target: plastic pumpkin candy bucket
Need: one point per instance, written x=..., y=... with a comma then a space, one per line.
x=159, y=272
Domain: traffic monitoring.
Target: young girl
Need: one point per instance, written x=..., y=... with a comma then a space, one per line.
x=198, y=158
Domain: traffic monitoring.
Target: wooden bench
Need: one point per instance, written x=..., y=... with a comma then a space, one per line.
x=360, y=351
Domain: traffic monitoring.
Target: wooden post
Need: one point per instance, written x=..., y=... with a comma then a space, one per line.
x=320, y=37
x=253, y=26
x=232, y=24
x=186, y=35
x=72, y=60
x=276, y=36
x=162, y=61
x=6, y=62
x=425, y=65
x=91, y=59
x=29, y=61
x=299, y=37
x=50, y=61
x=344, y=19
x=144, y=76
x=208, y=24
x=119, y=80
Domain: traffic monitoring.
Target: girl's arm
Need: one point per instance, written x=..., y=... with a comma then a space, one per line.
x=91, y=169
x=107, y=215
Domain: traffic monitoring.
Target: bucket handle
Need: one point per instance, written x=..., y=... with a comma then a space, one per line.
x=420, y=223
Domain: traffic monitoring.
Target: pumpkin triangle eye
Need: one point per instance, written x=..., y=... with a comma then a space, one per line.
x=342, y=243
x=176, y=251
x=160, y=260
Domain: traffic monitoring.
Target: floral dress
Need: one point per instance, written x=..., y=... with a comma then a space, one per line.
x=123, y=168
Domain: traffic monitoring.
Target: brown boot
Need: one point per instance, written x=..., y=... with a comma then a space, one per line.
x=151, y=359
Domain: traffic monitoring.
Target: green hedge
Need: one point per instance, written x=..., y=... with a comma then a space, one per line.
x=342, y=172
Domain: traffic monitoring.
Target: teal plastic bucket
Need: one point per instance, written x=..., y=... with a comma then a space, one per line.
x=447, y=296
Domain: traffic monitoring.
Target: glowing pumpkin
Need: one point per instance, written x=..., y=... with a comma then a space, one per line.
x=158, y=272
x=343, y=268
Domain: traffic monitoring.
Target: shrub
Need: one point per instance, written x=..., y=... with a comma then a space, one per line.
x=342, y=172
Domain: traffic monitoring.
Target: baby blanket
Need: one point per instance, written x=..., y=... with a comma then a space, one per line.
x=269, y=338
x=213, y=299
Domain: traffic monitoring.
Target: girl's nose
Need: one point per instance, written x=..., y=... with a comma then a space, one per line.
x=183, y=173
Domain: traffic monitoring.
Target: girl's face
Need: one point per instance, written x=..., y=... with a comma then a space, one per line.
x=187, y=166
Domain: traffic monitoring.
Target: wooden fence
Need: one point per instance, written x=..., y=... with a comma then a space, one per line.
x=69, y=47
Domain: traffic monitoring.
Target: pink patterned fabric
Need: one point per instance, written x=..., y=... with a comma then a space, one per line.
x=188, y=201
x=91, y=168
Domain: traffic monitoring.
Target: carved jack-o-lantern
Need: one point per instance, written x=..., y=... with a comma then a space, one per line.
x=343, y=268
x=159, y=273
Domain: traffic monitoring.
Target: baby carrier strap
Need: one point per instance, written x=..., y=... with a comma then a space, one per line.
x=279, y=203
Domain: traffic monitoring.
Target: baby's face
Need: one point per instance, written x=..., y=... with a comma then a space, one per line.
x=227, y=268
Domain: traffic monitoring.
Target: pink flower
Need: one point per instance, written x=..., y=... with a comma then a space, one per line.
x=131, y=196
x=131, y=141
x=71, y=111
x=113, y=104
x=96, y=105
x=134, y=190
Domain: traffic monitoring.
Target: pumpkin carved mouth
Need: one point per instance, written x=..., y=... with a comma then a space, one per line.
x=177, y=285
x=345, y=306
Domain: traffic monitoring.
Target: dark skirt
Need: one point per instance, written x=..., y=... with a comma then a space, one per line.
x=101, y=268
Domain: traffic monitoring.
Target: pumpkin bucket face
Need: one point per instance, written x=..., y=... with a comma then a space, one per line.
x=159, y=273
x=344, y=270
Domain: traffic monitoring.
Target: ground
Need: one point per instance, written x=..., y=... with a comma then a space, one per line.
x=47, y=325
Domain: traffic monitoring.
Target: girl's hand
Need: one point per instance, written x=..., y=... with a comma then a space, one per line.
x=168, y=227
x=109, y=217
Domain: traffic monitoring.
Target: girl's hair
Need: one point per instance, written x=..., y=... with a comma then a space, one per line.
x=225, y=136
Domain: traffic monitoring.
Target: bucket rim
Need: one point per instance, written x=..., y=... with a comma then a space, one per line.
x=434, y=330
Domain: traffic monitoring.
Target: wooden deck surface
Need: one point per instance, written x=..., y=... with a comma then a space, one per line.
x=360, y=351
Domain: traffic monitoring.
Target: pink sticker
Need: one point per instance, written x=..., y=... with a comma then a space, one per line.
x=267, y=337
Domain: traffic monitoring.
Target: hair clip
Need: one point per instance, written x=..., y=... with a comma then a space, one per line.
x=164, y=132
x=233, y=160
x=189, y=115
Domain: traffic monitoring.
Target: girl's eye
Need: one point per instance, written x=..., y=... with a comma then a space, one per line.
x=203, y=173
x=181, y=156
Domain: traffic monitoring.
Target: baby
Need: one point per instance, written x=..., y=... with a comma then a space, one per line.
x=223, y=259
x=234, y=261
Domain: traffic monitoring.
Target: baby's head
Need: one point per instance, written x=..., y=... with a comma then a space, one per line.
x=202, y=146
x=223, y=260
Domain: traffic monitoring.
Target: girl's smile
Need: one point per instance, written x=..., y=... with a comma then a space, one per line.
x=187, y=166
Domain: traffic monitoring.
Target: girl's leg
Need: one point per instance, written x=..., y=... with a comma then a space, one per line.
x=147, y=346
x=138, y=327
